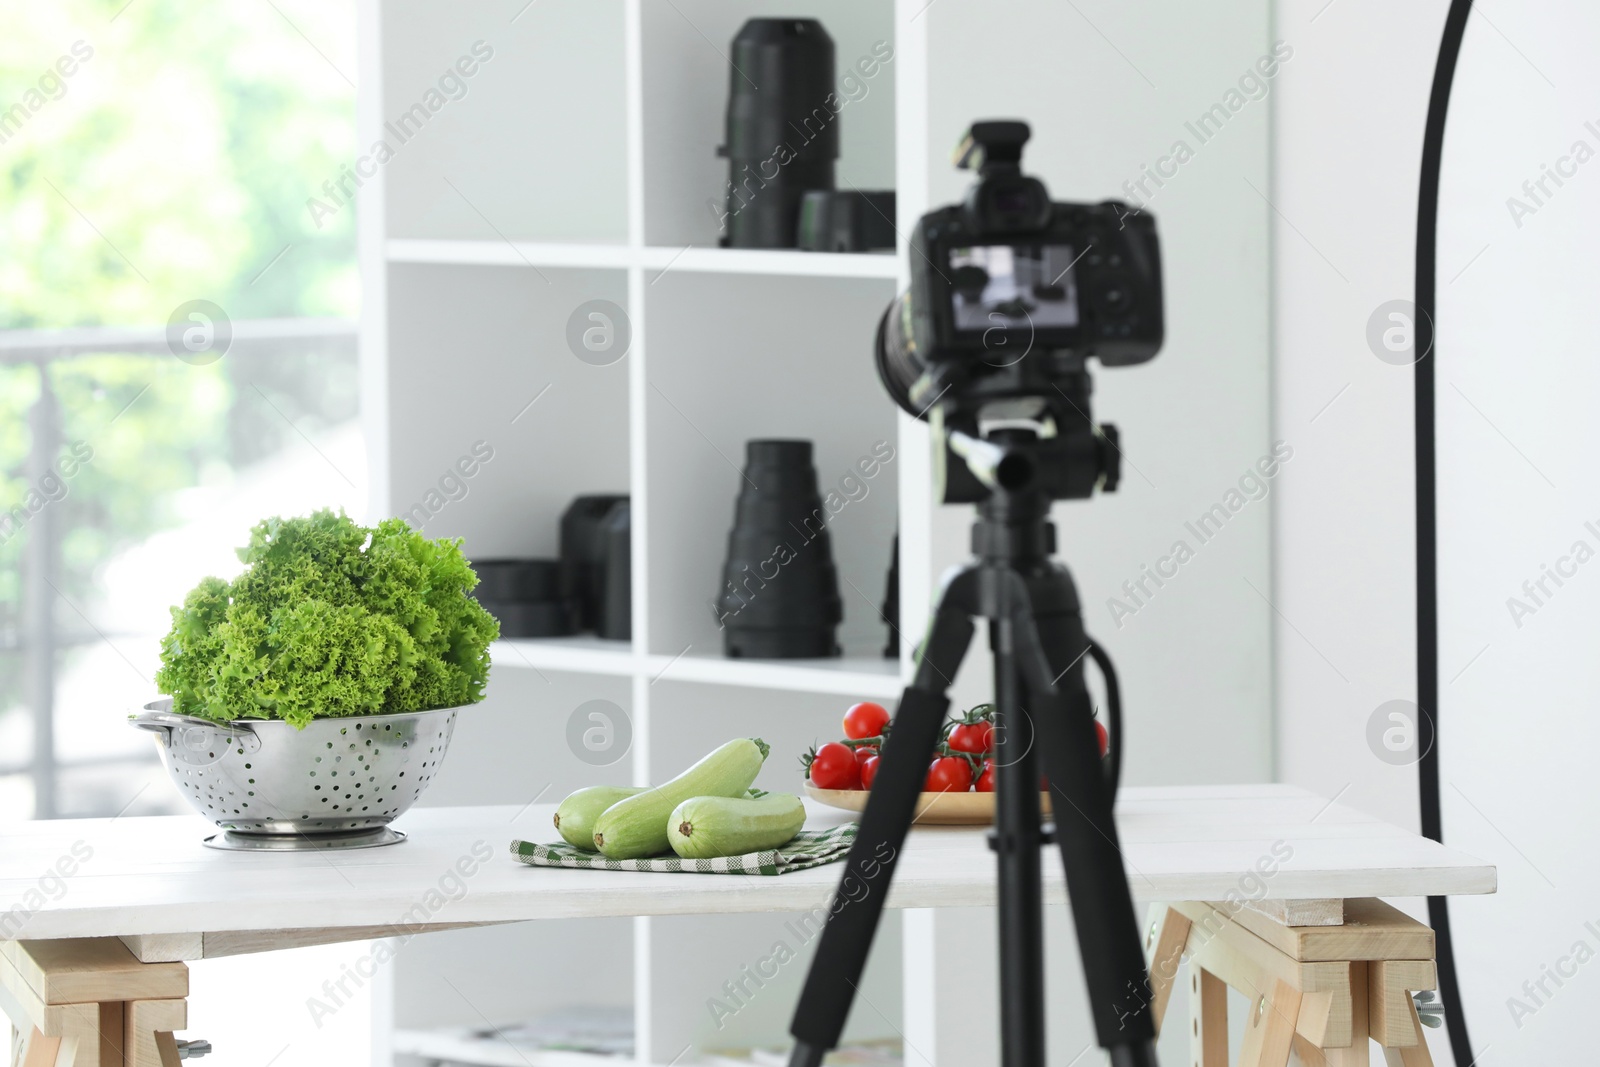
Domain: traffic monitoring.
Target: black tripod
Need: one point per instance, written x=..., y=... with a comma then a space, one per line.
x=1037, y=635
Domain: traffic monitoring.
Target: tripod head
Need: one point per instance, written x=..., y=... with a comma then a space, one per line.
x=1054, y=450
x=1011, y=294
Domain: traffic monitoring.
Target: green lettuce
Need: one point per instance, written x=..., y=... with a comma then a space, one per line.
x=330, y=619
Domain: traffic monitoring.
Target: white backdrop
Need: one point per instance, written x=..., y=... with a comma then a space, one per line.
x=1516, y=382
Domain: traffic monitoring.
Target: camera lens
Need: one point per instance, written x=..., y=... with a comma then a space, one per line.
x=780, y=597
x=782, y=139
x=899, y=367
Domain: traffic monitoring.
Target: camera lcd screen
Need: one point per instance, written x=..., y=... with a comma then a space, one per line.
x=1013, y=286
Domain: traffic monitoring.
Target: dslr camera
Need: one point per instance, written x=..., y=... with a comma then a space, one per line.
x=1010, y=294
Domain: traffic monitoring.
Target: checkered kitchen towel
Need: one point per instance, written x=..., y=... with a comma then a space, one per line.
x=810, y=848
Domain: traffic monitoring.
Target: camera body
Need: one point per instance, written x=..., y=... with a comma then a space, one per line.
x=1010, y=295
x=1014, y=290
x=988, y=281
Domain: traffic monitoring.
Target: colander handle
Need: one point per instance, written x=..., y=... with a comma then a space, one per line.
x=166, y=722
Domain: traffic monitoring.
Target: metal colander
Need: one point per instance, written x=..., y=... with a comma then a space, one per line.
x=336, y=783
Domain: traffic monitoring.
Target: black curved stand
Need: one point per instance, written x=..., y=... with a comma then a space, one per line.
x=1455, y=27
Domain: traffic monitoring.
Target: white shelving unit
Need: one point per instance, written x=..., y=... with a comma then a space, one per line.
x=577, y=165
x=472, y=266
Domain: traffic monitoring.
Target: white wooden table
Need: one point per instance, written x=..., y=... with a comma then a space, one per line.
x=1276, y=851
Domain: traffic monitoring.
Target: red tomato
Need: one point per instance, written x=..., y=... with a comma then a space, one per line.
x=985, y=782
x=1103, y=737
x=869, y=770
x=835, y=768
x=949, y=774
x=864, y=753
x=865, y=719
x=974, y=737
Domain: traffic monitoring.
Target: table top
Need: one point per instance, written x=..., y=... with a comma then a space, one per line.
x=140, y=876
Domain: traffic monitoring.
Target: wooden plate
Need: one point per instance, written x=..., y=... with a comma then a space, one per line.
x=933, y=809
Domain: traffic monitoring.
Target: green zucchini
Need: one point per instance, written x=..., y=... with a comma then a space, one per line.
x=702, y=827
x=576, y=815
x=637, y=826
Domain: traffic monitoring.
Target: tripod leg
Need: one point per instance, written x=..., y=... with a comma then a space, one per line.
x=1017, y=839
x=1102, y=907
x=853, y=920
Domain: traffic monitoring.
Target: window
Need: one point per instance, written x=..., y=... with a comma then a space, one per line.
x=177, y=348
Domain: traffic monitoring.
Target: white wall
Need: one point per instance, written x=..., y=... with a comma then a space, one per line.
x=1347, y=138
x=1346, y=152
x=1516, y=381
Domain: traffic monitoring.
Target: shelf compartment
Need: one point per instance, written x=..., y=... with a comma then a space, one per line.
x=693, y=258
x=479, y=359
x=493, y=155
x=736, y=357
x=516, y=746
x=733, y=980
x=686, y=80
x=454, y=982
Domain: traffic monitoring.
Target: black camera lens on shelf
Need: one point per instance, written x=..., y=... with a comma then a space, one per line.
x=522, y=580
x=890, y=613
x=780, y=590
x=530, y=597
x=589, y=588
x=583, y=548
x=614, y=617
x=847, y=220
x=532, y=618
x=781, y=137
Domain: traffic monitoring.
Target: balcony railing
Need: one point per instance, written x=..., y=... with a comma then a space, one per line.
x=37, y=638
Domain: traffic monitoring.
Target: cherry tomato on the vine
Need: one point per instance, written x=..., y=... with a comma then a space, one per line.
x=864, y=753
x=1103, y=737
x=985, y=782
x=865, y=719
x=974, y=737
x=834, y=767
x=869, y=770
x=949, y=774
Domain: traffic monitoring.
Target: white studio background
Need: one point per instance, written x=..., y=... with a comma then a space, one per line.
x=1517, y=440
x=1516, y=383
